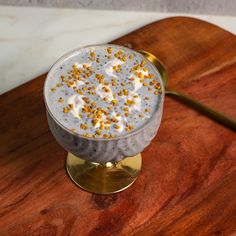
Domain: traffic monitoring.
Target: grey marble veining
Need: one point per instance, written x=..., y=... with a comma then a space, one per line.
x=218, y=7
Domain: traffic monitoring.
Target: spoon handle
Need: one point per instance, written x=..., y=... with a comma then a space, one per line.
x=215, y=115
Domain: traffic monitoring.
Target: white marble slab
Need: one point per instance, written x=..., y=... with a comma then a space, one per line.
x=31, y=39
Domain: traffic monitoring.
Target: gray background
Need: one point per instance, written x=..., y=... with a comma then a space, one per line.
x=214, y=7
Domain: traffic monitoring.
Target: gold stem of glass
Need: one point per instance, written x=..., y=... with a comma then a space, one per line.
x=104, y=178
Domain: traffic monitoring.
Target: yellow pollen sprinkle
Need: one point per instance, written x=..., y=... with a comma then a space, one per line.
x=145, y=84
x=120, y=93
x=109, y=57
x=101, y=126
x=114, y=83
x=70, y=83
x=114, y=120
x=126, y=109
x=157, y=86
x=156, y=92
x=61, y=100
x=80, y=92
x=132, y=78
x=122, y=84
x=53, y=89
x=108, y=122
x=98, y=131
x=126, y=114
x=140, y=75
x=105, y=89
x=105, y=135
x=114, y=102
x=71, y=106
x=84, y=110
x=131, y=127
x=101, y=81
x=66, y=110
x=84, y=88
x=147, y=110
x=105, y=112
x=87, y=135
x=129, y=102
x=106, y=127
x=125, y=92
x=149, y=89
x=143, y=63
x=76, y=77
x=109, y=50
x=112, y=136
x=106, y=83
x=123, y=58
x=146, y=98
x=59, y=85
x=83, y=126
x=117, y=127
x=94, y=122
x=105, y=99
x=84, y=66
x=141, y=115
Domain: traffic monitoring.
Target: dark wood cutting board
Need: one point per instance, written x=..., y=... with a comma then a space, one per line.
x=188, y=180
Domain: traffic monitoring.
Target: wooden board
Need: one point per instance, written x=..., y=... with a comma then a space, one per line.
x=188, y=180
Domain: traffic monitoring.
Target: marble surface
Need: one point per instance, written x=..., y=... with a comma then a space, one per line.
x=218, y=7
x=31, y=39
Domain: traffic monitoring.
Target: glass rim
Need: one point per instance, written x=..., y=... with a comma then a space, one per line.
x=126, y=135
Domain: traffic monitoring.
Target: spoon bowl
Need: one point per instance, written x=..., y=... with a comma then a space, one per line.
x=213, y=114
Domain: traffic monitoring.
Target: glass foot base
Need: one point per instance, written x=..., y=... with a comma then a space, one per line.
x=104, y=178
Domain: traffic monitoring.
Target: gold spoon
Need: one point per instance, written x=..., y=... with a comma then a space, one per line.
x=213, y=114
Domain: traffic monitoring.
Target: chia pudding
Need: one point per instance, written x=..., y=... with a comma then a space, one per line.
x=103, y=91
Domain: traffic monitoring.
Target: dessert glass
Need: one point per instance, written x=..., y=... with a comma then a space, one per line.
x=104, y=166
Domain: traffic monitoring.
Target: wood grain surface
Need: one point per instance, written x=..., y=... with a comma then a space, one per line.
x=188, y=180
